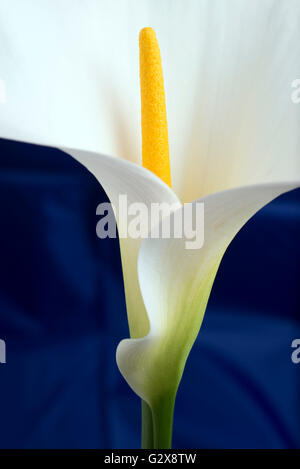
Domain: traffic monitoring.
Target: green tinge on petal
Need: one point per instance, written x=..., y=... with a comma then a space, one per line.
x=176, y=284
x=119, y=177
x=153, y=365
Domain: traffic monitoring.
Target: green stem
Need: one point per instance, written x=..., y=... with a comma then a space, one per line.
x=162, y=413
x=147, y=427
x=157, y=424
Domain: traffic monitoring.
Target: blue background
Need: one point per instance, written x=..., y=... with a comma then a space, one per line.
x=62, y=314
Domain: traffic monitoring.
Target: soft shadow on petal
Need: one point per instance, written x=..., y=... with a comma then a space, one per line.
x=244, y=128
x=119, y=177
x=182, y=280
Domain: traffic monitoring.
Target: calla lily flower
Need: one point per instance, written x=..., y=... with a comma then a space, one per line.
x=72, y=81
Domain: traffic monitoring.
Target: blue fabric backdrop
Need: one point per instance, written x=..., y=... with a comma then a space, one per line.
x=62, y=314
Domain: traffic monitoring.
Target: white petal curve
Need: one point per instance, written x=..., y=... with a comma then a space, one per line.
x=182, y=281
x=140, y=186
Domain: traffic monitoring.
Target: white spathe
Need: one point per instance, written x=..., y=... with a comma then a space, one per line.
x=72, y=81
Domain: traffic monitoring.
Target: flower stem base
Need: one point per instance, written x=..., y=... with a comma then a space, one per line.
x=157, y=423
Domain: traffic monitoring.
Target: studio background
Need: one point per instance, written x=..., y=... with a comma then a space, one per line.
x=62, y=315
